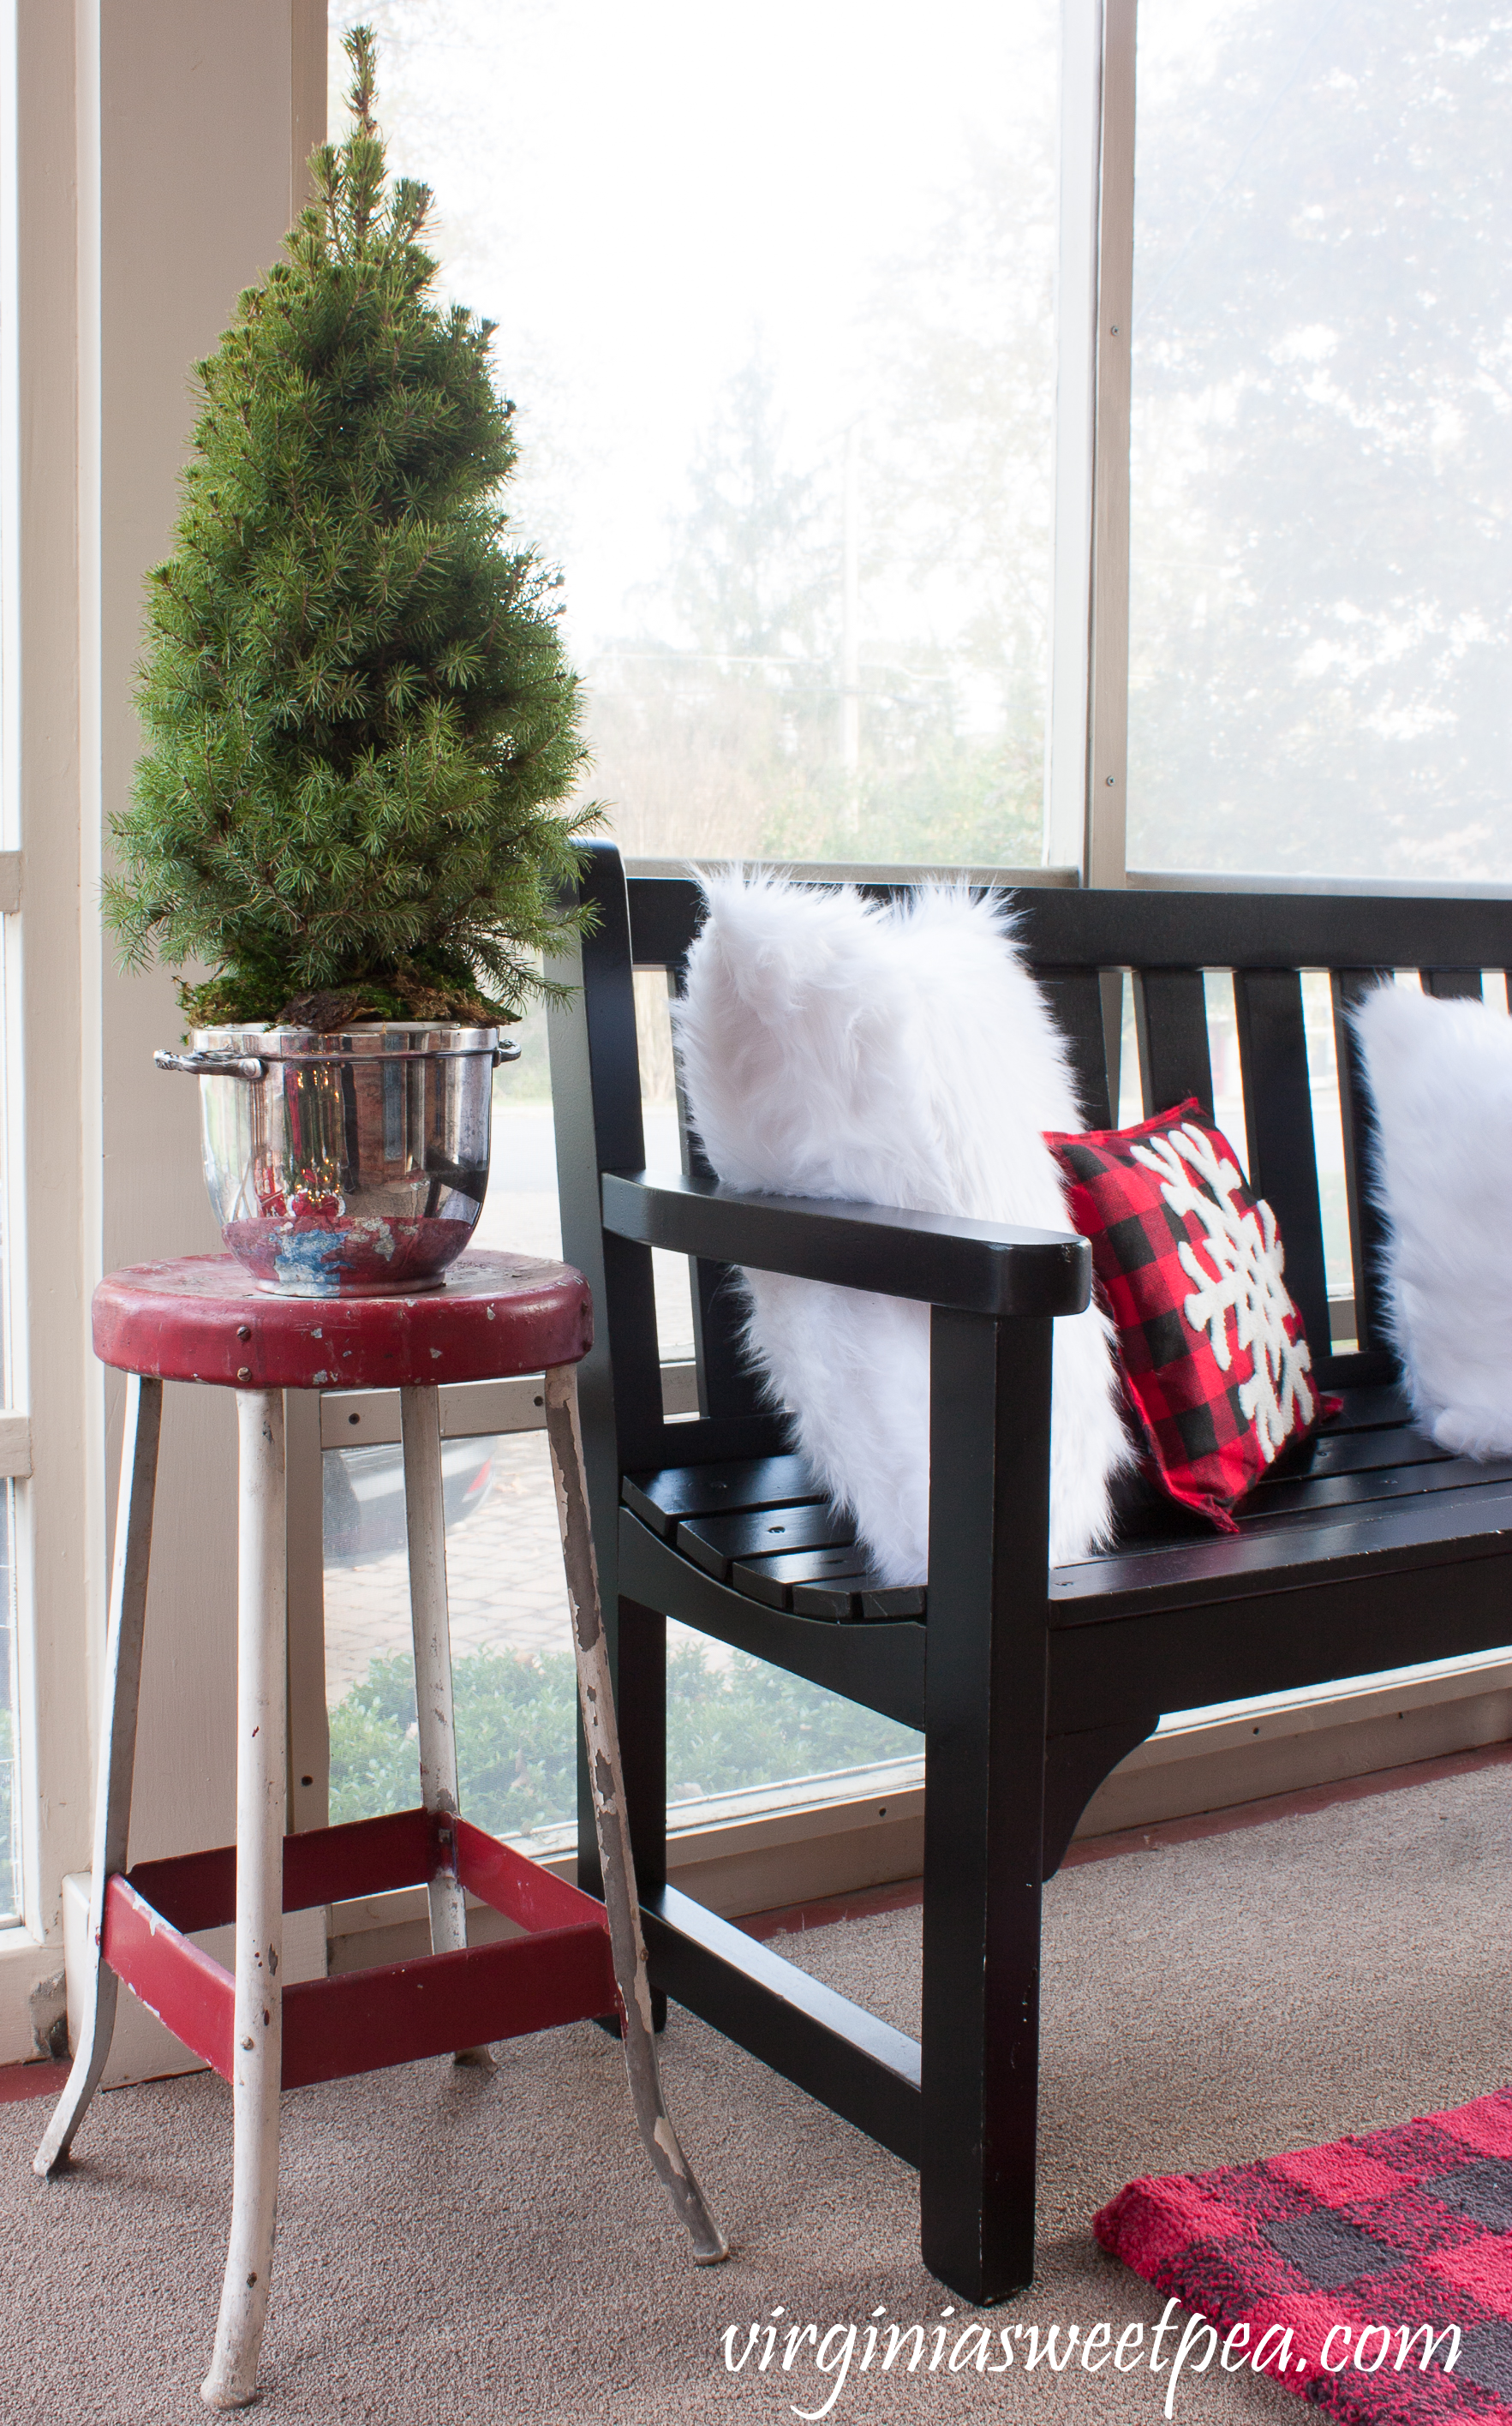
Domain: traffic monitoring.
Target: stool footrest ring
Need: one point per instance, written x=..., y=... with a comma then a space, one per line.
x=559, y=1969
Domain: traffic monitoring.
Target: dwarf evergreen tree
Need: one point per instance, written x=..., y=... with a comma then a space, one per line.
x=359, y=711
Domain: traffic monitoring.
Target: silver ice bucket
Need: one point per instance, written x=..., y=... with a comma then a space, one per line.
x=348, y=1165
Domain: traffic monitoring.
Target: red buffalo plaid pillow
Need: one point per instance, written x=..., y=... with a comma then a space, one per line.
x=1189, y=1263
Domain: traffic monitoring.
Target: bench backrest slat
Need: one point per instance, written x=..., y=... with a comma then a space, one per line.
x=1076, y=999
x=1367, y=1232
x=726, y=1385
x=1283, y=1166
x=1171, y=1021
x=1079, y=945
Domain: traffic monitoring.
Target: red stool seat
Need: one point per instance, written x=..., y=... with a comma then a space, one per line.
x=203, y=1319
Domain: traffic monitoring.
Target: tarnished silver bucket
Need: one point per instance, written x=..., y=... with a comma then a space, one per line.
x=348, y=1165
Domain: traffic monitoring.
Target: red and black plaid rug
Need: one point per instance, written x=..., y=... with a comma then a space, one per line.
x=1320, y=2267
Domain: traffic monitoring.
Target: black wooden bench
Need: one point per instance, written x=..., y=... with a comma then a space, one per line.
x=1030, y=1685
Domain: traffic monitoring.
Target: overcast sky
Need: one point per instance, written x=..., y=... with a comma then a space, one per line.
x=635, y=194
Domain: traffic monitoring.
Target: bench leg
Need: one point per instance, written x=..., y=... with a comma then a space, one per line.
x=262, y=1789
x=118, y=1753
x=601, y=1735
x=985, y=1755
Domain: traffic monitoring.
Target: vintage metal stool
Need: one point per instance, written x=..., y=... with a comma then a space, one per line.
x=200, y=1318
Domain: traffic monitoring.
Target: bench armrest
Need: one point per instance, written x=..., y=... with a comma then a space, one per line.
x=975, y=1266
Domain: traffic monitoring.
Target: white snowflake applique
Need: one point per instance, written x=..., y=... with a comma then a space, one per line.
x=1247, y=1259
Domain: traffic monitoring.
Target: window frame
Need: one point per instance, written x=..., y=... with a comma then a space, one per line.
x=76, y=1078
x=1086, y=783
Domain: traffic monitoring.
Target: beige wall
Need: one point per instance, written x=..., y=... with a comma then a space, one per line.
x=44, y=1026
x=157, y=153
x=200, y=110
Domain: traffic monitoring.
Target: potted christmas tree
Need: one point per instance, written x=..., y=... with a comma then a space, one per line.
x=362, y=731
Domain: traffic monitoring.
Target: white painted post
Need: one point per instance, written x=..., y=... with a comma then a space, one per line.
x=1107, y=680
x=425, y=1517
x=117, y=1752
x=261, y=1803
x=1087, y=784
x=1076, y=284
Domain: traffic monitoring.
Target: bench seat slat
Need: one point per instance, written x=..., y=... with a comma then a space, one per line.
x=883, y=1606
x=1320, y=1520
x=796, y=1555
x=1285, y=1502
x=1279, y=1557
x=1356, y=1452
x=662, y=1498
x=838, y=1584
x=1364, y=1410
x=714, y=1543
x=773, y=1579
x=864, y=1600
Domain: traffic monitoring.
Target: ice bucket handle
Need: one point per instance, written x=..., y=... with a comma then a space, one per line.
x=224, y=1065
x=247, y=1065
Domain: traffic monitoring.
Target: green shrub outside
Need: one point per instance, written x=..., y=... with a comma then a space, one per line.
x=727, y=1728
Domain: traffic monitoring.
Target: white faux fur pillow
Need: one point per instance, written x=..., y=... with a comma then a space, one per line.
x=897, y=1055
x=1440, y=1080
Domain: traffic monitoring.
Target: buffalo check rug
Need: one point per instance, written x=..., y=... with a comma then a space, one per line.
x=1323, y=2267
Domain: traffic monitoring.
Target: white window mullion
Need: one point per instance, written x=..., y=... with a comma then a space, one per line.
x=1087, y=784
x=1108, y=682
x=1076, y=304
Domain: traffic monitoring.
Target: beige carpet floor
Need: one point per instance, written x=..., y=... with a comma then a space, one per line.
x=458, y=2251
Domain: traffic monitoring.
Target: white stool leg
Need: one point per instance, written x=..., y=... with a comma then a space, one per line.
x=425, y=1518
x=601, y=1734
x=118, y=1753
x=261, y=1792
